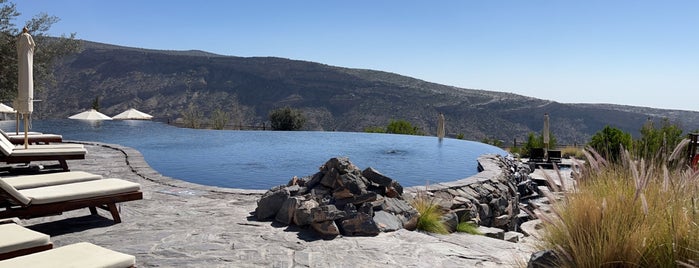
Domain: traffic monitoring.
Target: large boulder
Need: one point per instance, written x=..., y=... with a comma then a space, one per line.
x=271, y=202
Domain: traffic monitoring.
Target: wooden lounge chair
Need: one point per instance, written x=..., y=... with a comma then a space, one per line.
x=17, y=241
x=32, y=138
x=78, y=255
x=12, y=154
x=49, y=179
x=52, y=200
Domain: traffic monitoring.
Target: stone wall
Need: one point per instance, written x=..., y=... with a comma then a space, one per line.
x=489, y=198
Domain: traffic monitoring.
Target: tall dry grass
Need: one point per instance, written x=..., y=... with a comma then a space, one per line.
x=636, y=213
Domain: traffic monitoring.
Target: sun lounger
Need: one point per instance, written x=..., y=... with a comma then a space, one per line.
x=33, y=138
x=49, y=179
x=11, y=154
x=17, y=241
x=76, y=255
x=51, y=200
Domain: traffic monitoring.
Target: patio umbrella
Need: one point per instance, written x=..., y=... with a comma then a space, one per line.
x=440, y=127
x=132, y=114
x=91, y=114
x=25, y=85
x=4, y=109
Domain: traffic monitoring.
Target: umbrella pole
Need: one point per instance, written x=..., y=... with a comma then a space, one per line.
x=17, y=121
x=26, y=134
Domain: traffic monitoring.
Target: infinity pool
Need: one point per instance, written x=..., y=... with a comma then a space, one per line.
x=263, y=159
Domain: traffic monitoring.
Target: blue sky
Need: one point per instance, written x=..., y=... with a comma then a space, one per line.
x=642, y=53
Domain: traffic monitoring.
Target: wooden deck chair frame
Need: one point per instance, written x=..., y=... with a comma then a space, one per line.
x=14, y=208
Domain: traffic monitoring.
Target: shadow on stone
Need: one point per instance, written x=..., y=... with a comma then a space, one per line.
x=72, y=225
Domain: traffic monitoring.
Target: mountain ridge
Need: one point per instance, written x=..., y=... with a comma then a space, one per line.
x=165, y=83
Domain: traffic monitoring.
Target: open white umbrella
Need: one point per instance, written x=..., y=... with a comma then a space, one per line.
x=4, y=109
x=25, y=85
x=91, y=114
x=132, y=114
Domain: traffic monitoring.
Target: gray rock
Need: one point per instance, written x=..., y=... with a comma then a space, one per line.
x=450, y=220
x=270, y=203
x=288, y=209
x=513, y=237
x=531, y=228
x=326, y=228
x=502, y=221
x=326, y=213
x=368, y=197
x=387, y=222
x=360, y=225
x=330, y=178
x=543, y=259
x=491, y=232
x=303, y=215
x=375, y=176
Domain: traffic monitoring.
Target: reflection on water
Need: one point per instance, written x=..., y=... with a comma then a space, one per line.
x=263, y=159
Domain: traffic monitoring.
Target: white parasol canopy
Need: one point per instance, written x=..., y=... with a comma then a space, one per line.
x=133, y=114
x=6, y=109
x=92, y=114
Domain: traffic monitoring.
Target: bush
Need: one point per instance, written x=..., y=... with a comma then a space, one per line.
x=286, y=119
x=431, y=214
x=572, y=151
x=396, y=127
x=610, y=141
x=402, y=127
x=627, y=214
x=468, y=227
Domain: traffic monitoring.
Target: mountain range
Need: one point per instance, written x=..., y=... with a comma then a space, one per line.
x=166, y=83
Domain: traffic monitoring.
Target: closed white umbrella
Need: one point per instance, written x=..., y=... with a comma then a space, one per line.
x=546, y=131
x=132, y=114
x=91, y=114
x=440, y=127
x=25, y=85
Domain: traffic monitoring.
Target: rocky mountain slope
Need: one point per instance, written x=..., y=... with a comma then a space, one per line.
x=166, y=83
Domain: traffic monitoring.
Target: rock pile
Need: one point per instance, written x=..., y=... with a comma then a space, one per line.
x=340, y=199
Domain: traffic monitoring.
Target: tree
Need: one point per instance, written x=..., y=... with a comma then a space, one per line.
x=402, y=127
x=537, y=141
x=653, y=140
x=219, y=119
x=609, y=141
x=286, y=119
x=96, y=104
x=48, y=49
x=192, y=117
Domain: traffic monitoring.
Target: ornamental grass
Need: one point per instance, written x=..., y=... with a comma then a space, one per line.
x=634, y=213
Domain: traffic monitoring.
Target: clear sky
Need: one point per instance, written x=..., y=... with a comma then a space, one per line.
x=642, y=53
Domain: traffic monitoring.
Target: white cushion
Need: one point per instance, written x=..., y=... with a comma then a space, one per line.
x=50, y=146
x=15, y=237
x=81, y=254
x=14, y=193
x=79, y=190
x=49, y=179
x=47, y=151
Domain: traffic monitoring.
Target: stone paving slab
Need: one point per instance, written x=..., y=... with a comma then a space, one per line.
x=181, y=224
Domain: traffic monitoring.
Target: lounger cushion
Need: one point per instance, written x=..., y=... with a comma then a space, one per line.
x=14, y=193
x=41, y=180
x=50, y=146
x=47, y=152
x=79, y=190
x=15, y=237
x=81, y=254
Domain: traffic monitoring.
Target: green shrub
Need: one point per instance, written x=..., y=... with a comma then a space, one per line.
x=286, y=119
x=468, y=227
x=609, y=142
x=402, y=127
x=431, y=214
